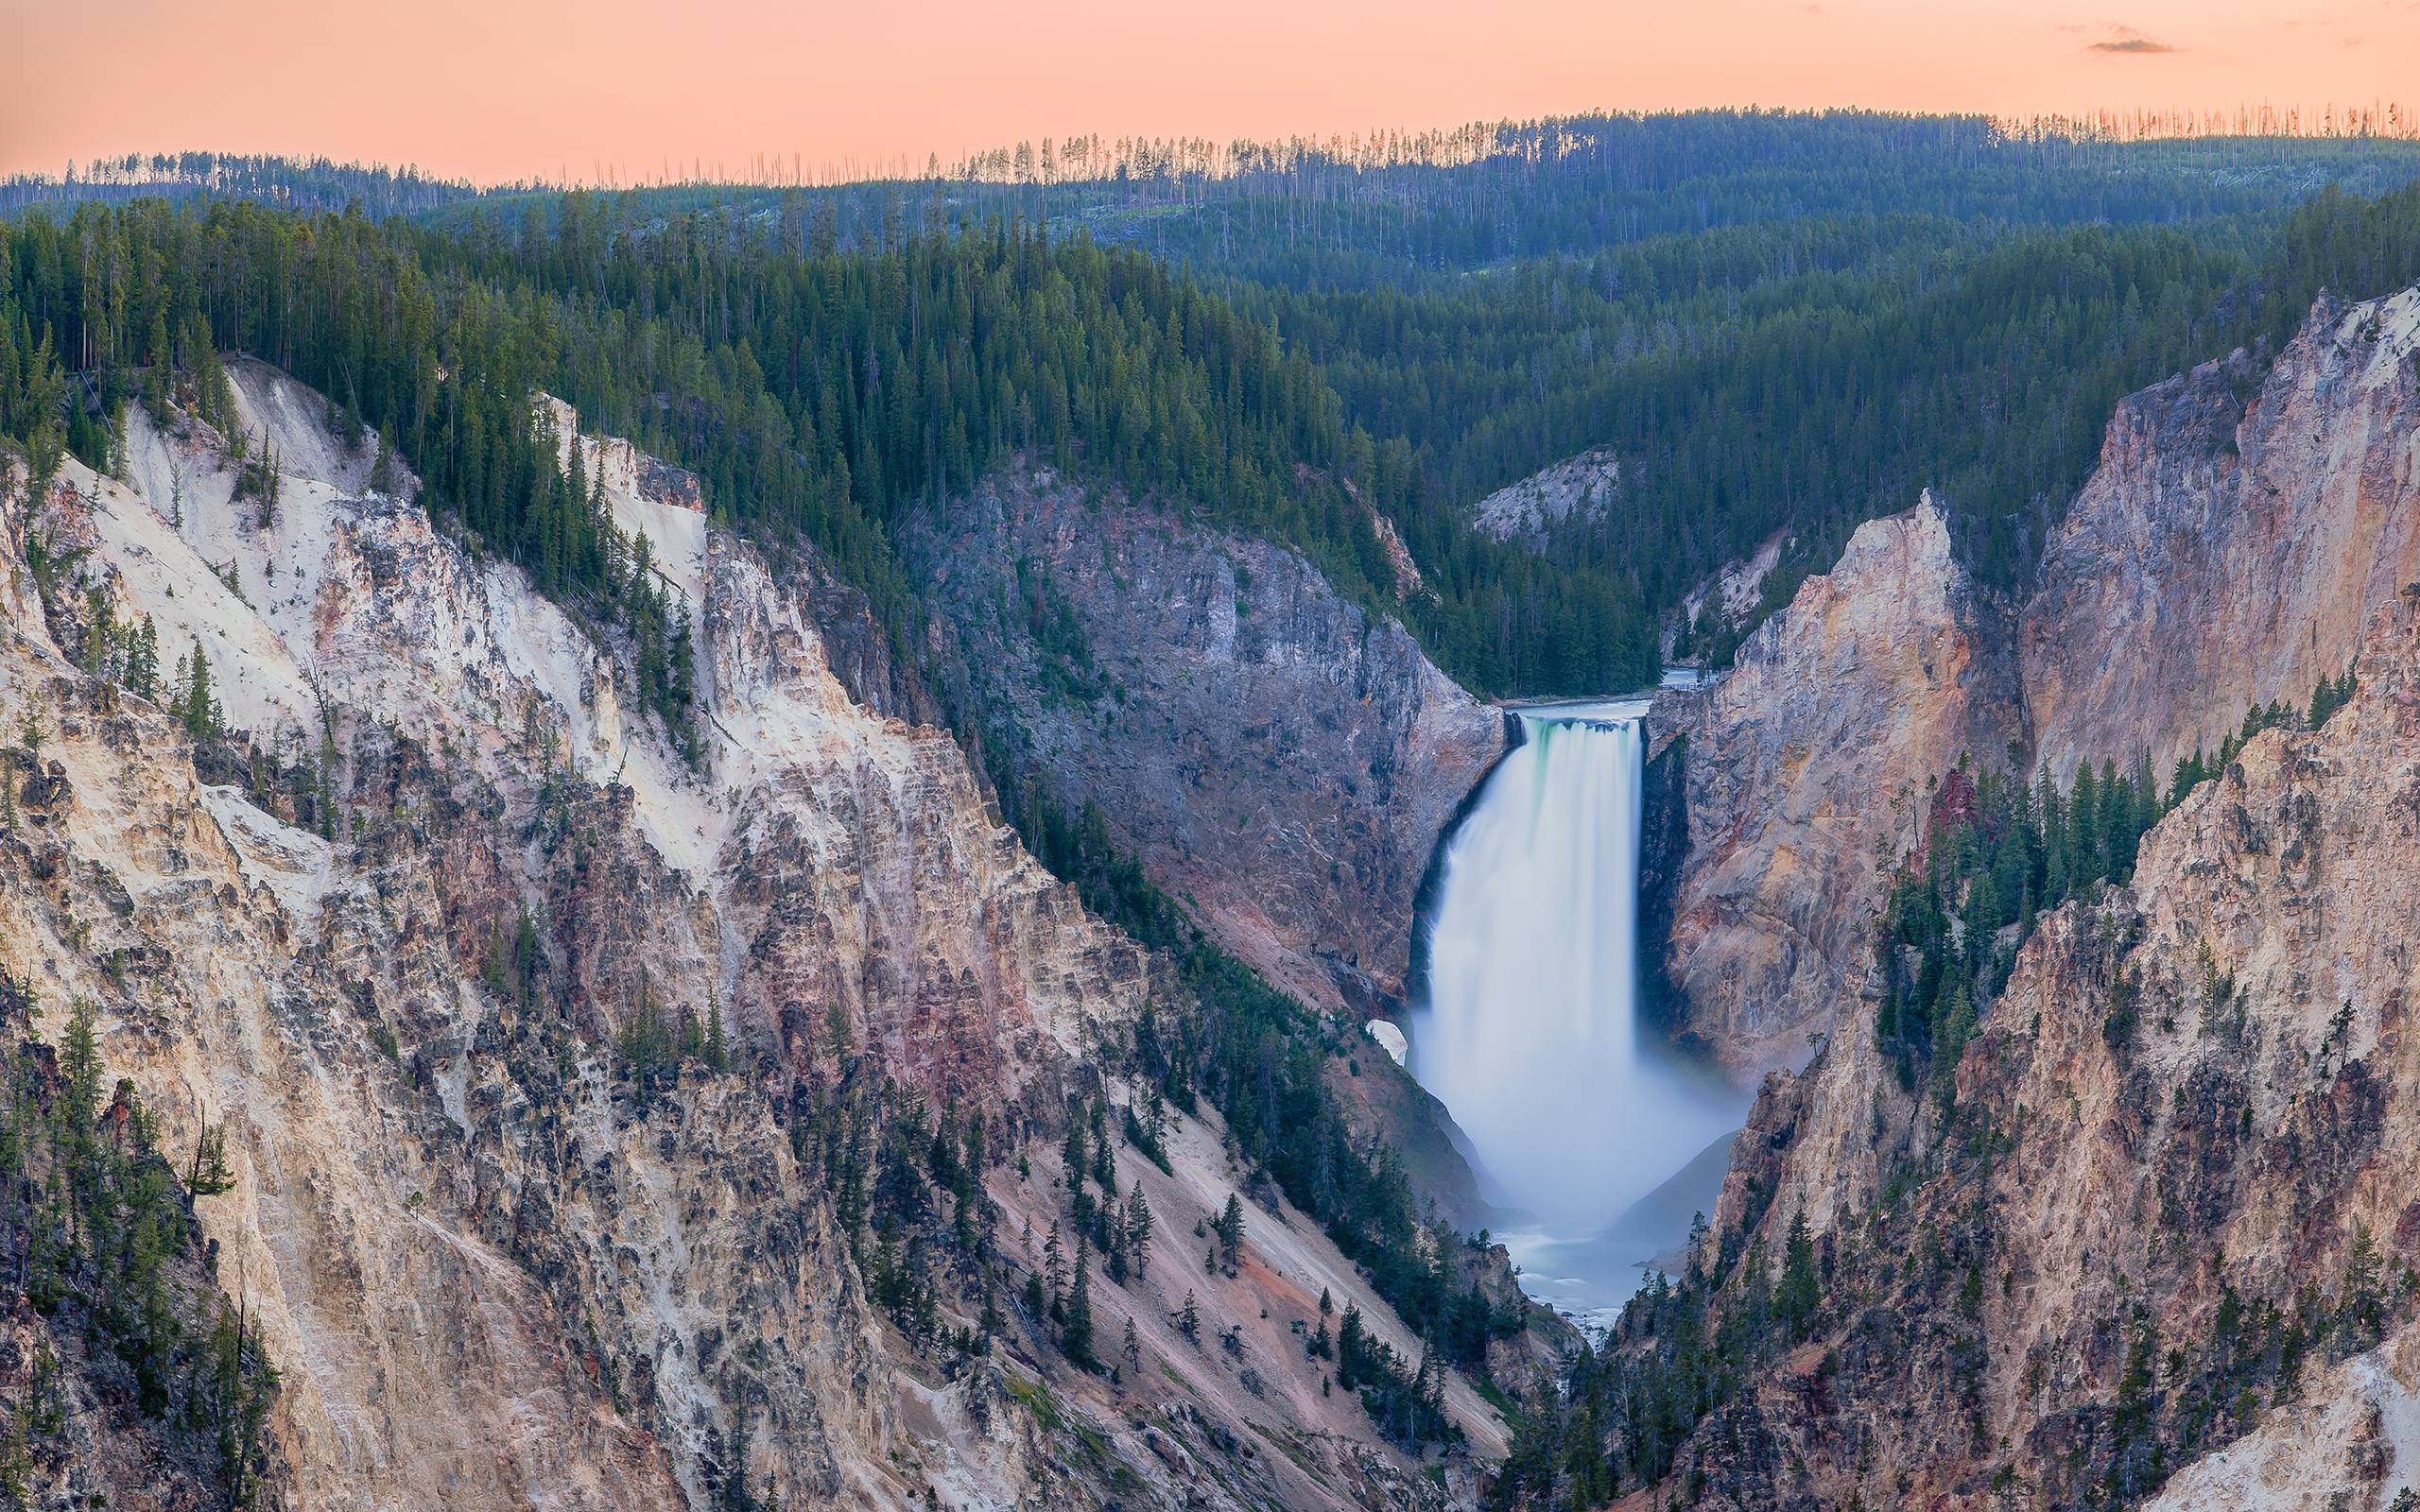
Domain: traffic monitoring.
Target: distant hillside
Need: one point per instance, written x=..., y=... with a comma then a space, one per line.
x=1774, y=325
x=292, y=183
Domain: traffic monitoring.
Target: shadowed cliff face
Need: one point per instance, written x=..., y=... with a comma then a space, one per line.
x=506, y=1249
x=1277, y=759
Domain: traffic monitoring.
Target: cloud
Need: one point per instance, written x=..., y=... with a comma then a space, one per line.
x=2127, y=39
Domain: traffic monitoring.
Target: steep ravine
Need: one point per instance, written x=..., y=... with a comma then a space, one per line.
x=503, y=1253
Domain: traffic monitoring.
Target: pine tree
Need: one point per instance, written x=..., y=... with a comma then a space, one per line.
x=1229, y=1228
x=209, y=1175
x=142, y=659
x=1054, y=1265
x=1072, y=1156
x=79, y=1064
x=1350, y=1347
x=382, y=467
x=1800, y=1290
x=199, y=704
x=1189, y=1320
x=1076, y=1338
x=1138, y=1230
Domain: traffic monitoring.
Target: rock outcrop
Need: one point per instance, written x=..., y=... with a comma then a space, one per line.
x=1808, y=767
x=543, y=1055
x=1278, y=759
x=1581, y=487
x=2241, y=526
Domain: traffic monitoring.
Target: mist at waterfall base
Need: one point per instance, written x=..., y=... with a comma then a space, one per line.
x=1596, y=1139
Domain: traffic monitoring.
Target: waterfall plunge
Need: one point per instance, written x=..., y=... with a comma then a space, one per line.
x=1530, y=1036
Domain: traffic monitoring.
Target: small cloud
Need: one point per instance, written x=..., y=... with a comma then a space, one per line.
x=2127, y=39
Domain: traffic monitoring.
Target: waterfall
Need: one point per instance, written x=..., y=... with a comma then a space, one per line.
x=1530, y=1035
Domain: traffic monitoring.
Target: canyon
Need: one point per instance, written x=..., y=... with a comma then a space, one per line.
x=591, y=1091
x=408, y=913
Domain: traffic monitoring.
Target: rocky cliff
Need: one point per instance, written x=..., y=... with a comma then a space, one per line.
x=2150, y=1235
x=2244, y=520
x=2171, y=1201
x=2241, y=527
x=1279, y=759
x=1806, y=767
x=553, y=1070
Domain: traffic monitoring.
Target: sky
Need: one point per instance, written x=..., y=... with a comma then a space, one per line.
x=505, y=90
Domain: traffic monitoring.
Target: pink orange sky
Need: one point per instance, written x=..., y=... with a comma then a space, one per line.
x=496, y=90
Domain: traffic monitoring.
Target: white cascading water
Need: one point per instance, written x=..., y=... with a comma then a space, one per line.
x=1530, y=1036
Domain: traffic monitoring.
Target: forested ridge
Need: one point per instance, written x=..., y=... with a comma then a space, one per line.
x=1782, y=324
x=820, y=396
x=1394, y=208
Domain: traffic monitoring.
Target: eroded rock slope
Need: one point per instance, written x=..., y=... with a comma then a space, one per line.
x=545, y=1057
x=1276, y=757
x=2172, y=1200
x=1807, y=766
x=2239, y=531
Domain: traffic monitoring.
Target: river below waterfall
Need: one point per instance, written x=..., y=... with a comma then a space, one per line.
x=1594, y=1140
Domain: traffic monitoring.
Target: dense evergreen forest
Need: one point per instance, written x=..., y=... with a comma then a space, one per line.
x=1395, y=210
x=820, y=393
x=287, y=182
x=1783, y=324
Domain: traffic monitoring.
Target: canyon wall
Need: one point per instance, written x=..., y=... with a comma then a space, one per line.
x=2151, y=1237
x=537, y=1045
x=1279, y=759
x=2241, y=525
x=2172, y=1201
x=2244, y=521
x=1808, y=767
